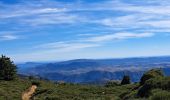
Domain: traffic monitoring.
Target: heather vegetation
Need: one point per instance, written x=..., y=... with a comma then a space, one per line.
x=153, y=86
x=12, y=90
x=156, y=87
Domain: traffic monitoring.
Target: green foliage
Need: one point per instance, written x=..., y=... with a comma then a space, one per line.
x=12, y=90
x=35, y=82
x=156, y=88
x=151, y=74
x=130, y=95
x=50, y=91
x=154, y=83
x=151, y=80
x=53, y=98
x=7, y=69
x=125, y=80
x=31, y=77
x=112, y=83
x=160, y=95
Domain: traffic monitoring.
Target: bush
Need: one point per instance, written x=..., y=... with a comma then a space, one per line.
x=112, y=84
x=52, y=98
x=125, y=80
x=7, y=69
x=128, y=96
x=37, y=83
x=155, y=83
x=160, y=95
x=31, y=77
x=151, y=74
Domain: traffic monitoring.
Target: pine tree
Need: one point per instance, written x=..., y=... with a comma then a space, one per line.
x=7, y=68
x=125, y=80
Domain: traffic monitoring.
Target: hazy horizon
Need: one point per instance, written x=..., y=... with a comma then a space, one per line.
x=63, y=60
x=57, y=30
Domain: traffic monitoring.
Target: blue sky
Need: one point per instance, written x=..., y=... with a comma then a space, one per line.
x=52, y=30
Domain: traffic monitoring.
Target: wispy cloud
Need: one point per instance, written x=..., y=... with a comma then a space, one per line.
x=36, y=13
x=104, y=21
x=31, y=12
x=53, y=50
x=90, y=41
x=8, y=37
x=51, y=12
x=51, y=19
x=118, y=36
x=66, y=46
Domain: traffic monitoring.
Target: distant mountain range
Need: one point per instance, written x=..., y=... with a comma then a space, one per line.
x=95, y=70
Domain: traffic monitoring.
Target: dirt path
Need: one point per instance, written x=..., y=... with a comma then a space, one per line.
x=28, y=93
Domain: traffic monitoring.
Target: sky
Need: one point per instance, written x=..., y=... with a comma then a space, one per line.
x=55, y=30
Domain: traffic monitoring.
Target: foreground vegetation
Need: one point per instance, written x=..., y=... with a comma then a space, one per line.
x=152, y=86
x=12, y=90
x=157, y=88
x=50, y=91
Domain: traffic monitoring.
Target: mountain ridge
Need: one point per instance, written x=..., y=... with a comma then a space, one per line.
x=83, y=70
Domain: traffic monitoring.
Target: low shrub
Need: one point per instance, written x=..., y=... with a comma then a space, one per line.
x=160, y=95
x=112, y=83
x=154, y=73
x=125, y=80
x=52, y=98
x=155, y=83
x=34, y=82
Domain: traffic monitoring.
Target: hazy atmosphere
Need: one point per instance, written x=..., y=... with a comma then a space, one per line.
x=51, y=30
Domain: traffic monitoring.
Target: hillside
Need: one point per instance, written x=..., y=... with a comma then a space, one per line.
x=12, y=90
x=155, y=87
x=79, y=92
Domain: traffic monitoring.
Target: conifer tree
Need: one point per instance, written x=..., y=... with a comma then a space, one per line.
x=7, y=68
x=125, y=80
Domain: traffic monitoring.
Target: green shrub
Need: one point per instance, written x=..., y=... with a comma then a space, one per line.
x=34, y=82
x=112, y=84
x=151, y=74
x=52, y=98
x=12, y=90
x=155, y=83
x=125, y=80
x=31, y=77
x=160, y=95
x=132, y=94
